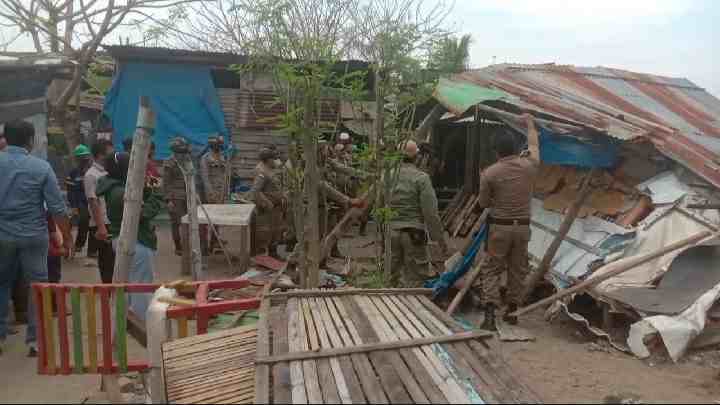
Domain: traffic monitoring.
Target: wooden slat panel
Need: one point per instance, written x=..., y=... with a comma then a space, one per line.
x=49, y=329
x=297, y=375
x=91, y=314
x=121, y=329
x=312, y=382
x=280, y=371
x=326, y=379
x=334, y=364
x=63, y=337
x=78, y=351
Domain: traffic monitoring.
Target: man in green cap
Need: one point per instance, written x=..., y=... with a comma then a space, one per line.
x=78, y=200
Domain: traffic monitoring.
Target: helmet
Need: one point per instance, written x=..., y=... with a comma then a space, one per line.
x=81, y=151
x=179, y=145
x=268, y=153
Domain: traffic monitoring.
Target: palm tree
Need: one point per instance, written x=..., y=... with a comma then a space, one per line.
x=451, y=54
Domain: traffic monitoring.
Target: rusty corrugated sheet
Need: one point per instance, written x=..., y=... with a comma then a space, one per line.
x=680, y=118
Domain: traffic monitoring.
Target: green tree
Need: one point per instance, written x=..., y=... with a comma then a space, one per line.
x=451, y=54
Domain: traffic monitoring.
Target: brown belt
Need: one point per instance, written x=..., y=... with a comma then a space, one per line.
x=506, y=221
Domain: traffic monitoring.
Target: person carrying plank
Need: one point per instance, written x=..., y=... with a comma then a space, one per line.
x=506, y=189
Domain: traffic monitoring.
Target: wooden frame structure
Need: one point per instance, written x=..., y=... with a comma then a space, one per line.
x=58, y=356
x=377, y=346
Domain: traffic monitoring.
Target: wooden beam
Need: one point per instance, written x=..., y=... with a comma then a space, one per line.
x=373, y=347
x=620, y=267
x=708, y=206
x=350, y=291
x=535, y=277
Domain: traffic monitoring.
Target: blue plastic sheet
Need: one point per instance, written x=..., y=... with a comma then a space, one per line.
x=442, y=284
x=183, y=98
x=566, y=150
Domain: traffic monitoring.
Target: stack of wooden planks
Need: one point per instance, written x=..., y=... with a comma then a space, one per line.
x=213, y=368
x=460, y=217
x=377, y=346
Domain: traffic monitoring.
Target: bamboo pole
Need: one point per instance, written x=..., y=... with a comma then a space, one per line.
x=470, y=279
x=535, y=277
x=188, y=171
x=621, y=267
x=311, y=268
x=134, y=191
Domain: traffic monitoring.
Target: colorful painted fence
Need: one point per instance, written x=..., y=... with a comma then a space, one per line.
x=85, y=345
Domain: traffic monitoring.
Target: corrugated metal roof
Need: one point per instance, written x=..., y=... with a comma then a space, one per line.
x=168, y=55
x=680, y=118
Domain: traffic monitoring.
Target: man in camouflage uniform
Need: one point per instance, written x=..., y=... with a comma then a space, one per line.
x=173, y=188
x=212, y=174
x=414, y=202
x=270, y=201
x=506, y=189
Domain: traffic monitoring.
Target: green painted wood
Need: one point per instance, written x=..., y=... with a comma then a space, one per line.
x=121, y=329
x=79, y=366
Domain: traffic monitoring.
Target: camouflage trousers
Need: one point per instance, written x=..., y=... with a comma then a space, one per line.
x=269, y=227
x=176, y=213
x=507, y=253
x=410, y=262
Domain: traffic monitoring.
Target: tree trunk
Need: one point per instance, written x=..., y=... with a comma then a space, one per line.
x=134, y=192
x=312, y=183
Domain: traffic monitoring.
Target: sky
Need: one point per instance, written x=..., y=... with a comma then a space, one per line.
x=677, y=38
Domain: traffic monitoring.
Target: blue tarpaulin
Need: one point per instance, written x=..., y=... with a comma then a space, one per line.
x=440, y=285
x=566, y=150
x=183, y=98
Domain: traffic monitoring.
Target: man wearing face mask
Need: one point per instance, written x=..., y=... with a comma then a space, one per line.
x=270, y=201
x=212, y=173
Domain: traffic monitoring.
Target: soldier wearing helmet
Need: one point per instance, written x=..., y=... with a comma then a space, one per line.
x=271, y=202
x=173, y=187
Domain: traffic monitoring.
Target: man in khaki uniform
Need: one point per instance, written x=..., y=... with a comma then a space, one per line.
x=416, y=216
x=270, y=201
x=173, y=188
x=212, y=171
x=506, y=189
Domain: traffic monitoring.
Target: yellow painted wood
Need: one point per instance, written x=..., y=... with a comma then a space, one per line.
x=91, y=313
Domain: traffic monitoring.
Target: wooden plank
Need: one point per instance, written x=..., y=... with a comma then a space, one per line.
x=75, y=304
x=342, y=390
x=450, y=387
x=333, y=340
x=193, y=340
x=106, y=328
x=326, y=379
x=91, y=313
x=209, y=346
x=36, y=291
x=372, y=388
x=495, y=365
x=350, y=291
x=280, y=371
x=389, y=377
x=63, y=337
x=312, y=382
x=297, y=377
x=121, y=329
x=386, y=345
x=386, y=333
x=486, y=384
x=49, y=329
x=182, y=326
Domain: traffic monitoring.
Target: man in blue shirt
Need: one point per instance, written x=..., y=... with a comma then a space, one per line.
x=28, y=187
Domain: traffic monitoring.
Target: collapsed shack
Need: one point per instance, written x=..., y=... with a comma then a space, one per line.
x=656, y=144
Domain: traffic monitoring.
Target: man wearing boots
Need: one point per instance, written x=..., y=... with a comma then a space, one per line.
x=506, y=189
x=173, y=188
x=415, y=204
x=270, y=200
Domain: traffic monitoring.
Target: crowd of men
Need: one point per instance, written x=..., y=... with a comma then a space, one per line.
x=35, y=223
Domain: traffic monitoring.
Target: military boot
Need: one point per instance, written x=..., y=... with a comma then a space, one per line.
x=489, y=322
x=512, y=320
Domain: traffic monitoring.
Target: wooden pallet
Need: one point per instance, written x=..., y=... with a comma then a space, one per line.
x=379, y=347
x=213, y=368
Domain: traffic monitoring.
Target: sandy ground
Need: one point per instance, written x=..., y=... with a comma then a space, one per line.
x=561, y=365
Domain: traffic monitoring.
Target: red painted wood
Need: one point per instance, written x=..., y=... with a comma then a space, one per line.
x=213, y=308
x=63, y=337
x=42, y=352
x=106, y=327
x=149, y=288
x=201, y=298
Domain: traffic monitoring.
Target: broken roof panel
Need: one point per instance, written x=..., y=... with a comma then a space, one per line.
x=681, y=119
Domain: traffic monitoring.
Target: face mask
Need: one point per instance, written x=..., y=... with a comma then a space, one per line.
x=277, y=163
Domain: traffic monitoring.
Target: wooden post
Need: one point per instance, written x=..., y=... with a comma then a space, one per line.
x=535, y=277
x=134, y=192
x=311, y=268
x=620, y=267
x=422, y=133
x=188, y=171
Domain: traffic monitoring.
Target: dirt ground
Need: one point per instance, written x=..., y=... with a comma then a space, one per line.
x=561, y=365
